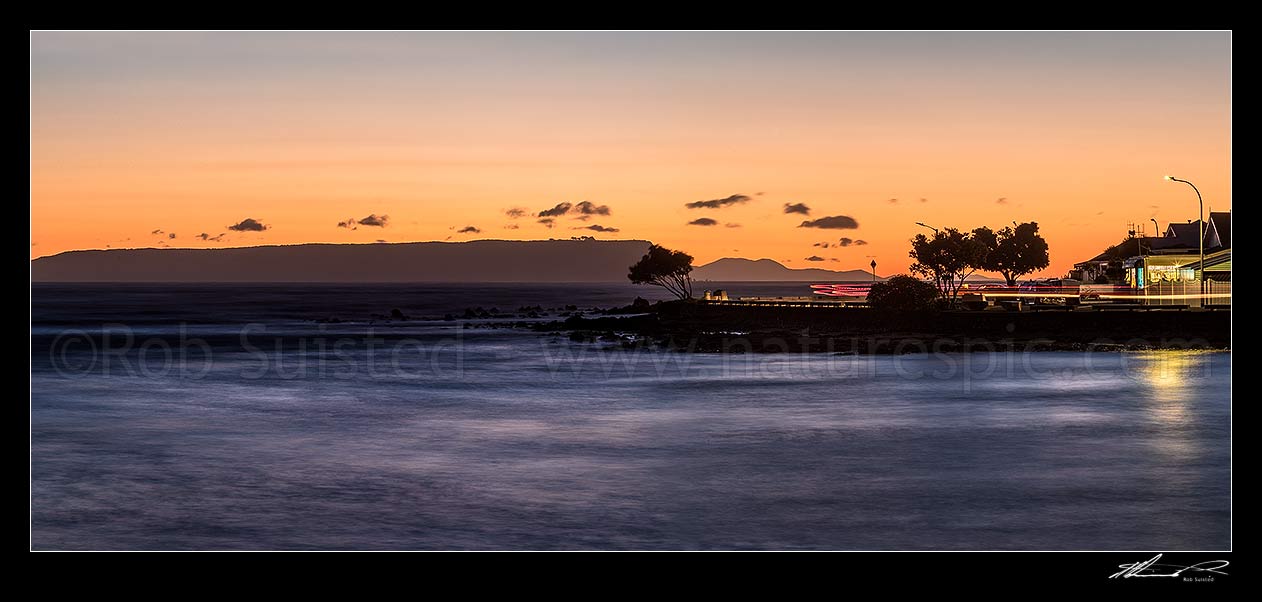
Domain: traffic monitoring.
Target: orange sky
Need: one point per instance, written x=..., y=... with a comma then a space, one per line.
x=189, y=133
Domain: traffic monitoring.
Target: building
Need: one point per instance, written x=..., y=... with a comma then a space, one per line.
x=1173, y=258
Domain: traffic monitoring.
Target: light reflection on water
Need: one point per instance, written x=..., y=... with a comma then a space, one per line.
x=515, y=455
x=534, y=442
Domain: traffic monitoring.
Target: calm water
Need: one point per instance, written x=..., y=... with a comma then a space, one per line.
x=178, y=433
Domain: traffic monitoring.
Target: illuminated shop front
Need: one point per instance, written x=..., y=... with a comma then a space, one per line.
x=1145, y=271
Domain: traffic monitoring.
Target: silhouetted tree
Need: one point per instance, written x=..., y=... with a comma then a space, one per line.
x=1013, y=252
x=950, y=257
x=904, y=293
x=665, y=268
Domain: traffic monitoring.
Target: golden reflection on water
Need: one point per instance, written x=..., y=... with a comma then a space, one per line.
x=1168, y=379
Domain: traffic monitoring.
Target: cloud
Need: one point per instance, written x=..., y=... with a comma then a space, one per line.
x=559, y=209
x=924, y=200
x=834, y=259
x=735, y=199
x=547, y=221
x=516, y=212
x=846, y=242
x=350, y=223
x=216, y=238
x=759, y=193
x=381, y=240
x=469, y=230
x=824, y=245
x=731, y=225
x=171, y=235
x=596, y=228
x=511, y=227
x=588, y=208
x=892, y=201
x=248, y=224
x=156, y=232
x=703, y=221
x=378, y=221
x=832, y=222
x=797, y=208
x=815, y=258
x=1003, y=200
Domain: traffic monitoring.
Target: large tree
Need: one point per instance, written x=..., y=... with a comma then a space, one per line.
x=1013, y=252
x=665, y=268
x=950, y=257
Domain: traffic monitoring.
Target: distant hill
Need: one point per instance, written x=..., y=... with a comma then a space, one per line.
x=473, y=261
x=737, y=269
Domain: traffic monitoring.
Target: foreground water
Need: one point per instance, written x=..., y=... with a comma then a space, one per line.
x=224, y=418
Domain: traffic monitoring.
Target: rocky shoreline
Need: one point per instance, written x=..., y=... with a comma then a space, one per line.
x=707, y=328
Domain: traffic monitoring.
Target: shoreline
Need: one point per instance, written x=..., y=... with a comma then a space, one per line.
x=702, y=328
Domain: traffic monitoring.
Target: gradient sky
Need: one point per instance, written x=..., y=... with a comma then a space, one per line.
x=188, y=133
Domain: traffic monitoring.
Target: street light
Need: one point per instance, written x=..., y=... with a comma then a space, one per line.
x=1156, y=228
x=935, y=230
x=1200, y=228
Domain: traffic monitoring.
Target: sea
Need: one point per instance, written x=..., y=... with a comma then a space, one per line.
x=306, y=417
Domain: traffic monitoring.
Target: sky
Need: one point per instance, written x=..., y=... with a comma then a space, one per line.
x=224, y=139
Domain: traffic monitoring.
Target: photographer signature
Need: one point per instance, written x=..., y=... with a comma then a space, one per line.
x=1150, y=568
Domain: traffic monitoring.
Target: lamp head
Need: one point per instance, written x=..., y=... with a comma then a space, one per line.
x=1168, y=178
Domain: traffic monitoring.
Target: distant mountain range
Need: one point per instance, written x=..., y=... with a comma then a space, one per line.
x=473, y=261
x=737, y=269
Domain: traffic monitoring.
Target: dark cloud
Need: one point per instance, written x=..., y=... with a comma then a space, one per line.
x=834, y=259
x=248, y=224
x=516, y=212
x=588, y=208
x=1003, y=200
x=381, y=240
x=469, y=230
x=559, y=209
x=924, y=200
x=156, y=232
x=511, y=227
x=547, y=221
x=703, y=221
x=832, y=222
x=735, y=199
x=374, y=220
x=731, y=225
x=815, y=258
x=847, y=242
x=892, y=201
x=171, y=235
x=824, y=245
x=216, y=238
x=860, y=243
x=596, y=228
x=759, y=193
x=797, y=208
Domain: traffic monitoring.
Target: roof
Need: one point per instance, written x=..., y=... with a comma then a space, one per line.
x=1217, y=231
x=1220, y=259
x=1184, y=232
x=1220, y=221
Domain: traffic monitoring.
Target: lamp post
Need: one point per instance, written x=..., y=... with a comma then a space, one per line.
x=1200, y=230
x=924, y=225
x=873, y=264
x=1156, y=228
